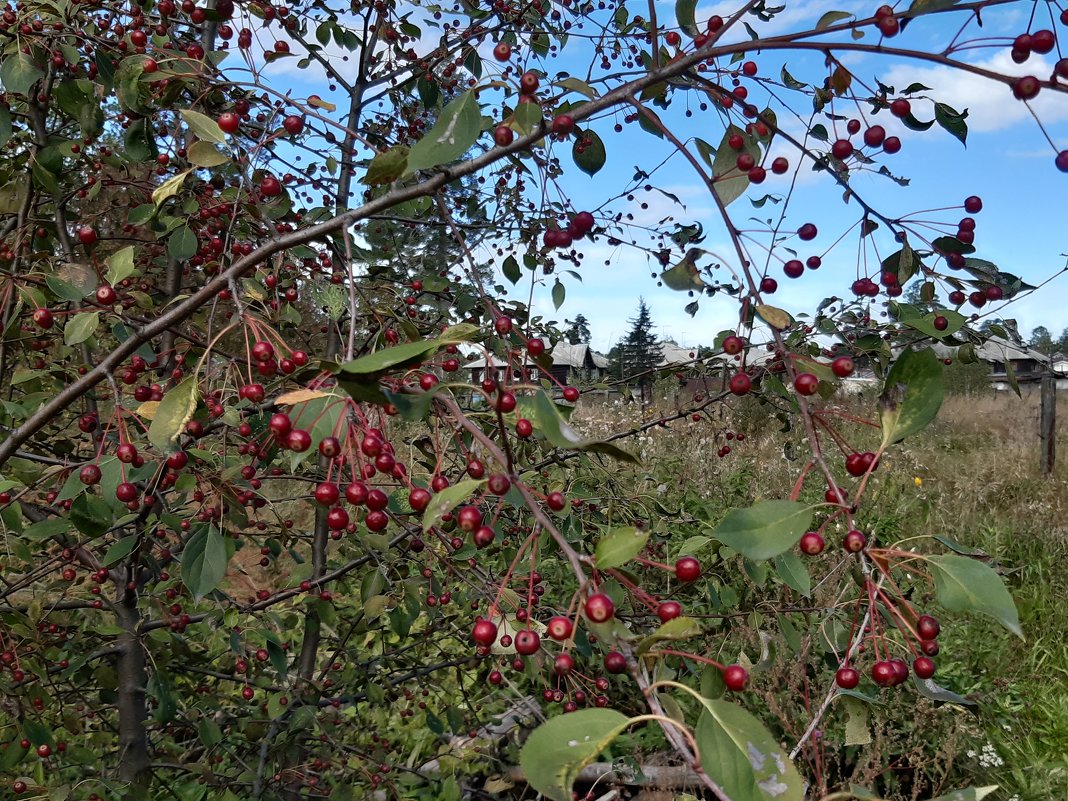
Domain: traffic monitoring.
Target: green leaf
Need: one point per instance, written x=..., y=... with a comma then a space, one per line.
x=169, y=188
x=448, y=499
x=560, y=748
x=929, y=689
x=968, y=794
x=858, y=725
x=173, y=412
x=559, y=293
x=831, y=17
x=511, y=270
x=742, y=756
x=128, y=86
x=120, y=265
x=204, y=561
x=90, y=514
x=139, y=141
x=453, y=134
x=576, y=85
x=80, y=327
x=619, y=546
x=925, y=324
x=792, y=570
x=912, y=394
x=373, y=365
x=120, y=550
x=968, y=585
x=209, y=732
x=684, y=14
x=387, y=166
x=18, y=73
x=205, y=154
x=684, y=276
x=588, y=152
x=203, y=126
x=561, y=435
x=679, y=628
x=902, y=264
x=46, y=529
x=764, y=530
x=527, y=117
x=5, y=125
x=927, y=6
x=730, y=182
x=182, y=244
x=952, y=121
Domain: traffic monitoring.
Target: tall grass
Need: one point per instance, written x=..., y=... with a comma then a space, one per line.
x=973, y=476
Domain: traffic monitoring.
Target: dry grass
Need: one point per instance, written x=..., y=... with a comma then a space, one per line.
x=981, y=485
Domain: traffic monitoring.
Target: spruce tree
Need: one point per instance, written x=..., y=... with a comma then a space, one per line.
x=639, y=352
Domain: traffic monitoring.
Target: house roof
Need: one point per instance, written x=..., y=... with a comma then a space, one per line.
x=670, y=354
x=563, y=354
x=997, y=349
x=491, y=360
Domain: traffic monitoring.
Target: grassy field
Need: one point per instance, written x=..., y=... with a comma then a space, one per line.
x=972, y=476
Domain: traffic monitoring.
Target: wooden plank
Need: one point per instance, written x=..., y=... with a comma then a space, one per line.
x=1048, y=425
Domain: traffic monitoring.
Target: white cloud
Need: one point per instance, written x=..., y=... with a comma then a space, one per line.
x=991, y=106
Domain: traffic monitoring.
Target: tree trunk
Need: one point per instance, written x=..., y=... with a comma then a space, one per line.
x=133, y=737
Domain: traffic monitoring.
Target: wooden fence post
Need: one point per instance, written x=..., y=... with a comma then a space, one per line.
x=1048, y=425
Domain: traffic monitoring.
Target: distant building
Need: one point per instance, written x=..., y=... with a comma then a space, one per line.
x=569, y=362
x=577, y=362
x=672, y=354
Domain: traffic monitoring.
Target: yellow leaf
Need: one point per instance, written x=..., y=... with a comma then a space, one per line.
x=774, y=317
x=148, y=409
x=300, y=396
x=318, y=102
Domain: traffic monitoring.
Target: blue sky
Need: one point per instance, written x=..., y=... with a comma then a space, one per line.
x=1007, y=162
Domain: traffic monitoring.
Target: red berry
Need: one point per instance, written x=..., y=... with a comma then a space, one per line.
x=503, y=136
x=293, y=124
x=874, y=136
x=484, y=632
x=527, y=642
x=735, y=677
x=502, y=51
x=563, y=125
x=928, y=627
x=842, y=149
x=599, y=607
x=615, y=662
x=973, y=204
x=847, y=678
x=806, y=384
x=883, y=673
x=229, y=122
x=740, y=384
x=854, y=541
x=529, y=82
x=668, y=610
x=812, y=543
x=559, y=628
x=687, y=569
x=43, y=318
x=924, y=667
x=733, y=345
x=843, y=367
